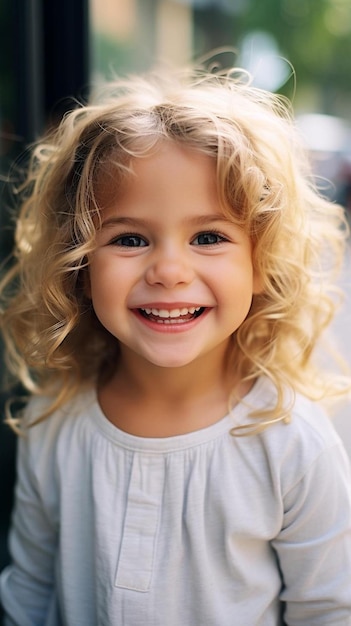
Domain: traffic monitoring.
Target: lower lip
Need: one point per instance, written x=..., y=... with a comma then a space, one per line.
x=170, y=327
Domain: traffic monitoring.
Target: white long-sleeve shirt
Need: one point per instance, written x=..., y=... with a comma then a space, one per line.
x=201, y=529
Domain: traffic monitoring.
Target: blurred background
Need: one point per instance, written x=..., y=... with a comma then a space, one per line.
x=54, y=52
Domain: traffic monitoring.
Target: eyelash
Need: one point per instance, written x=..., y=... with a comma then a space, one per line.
x=133, y=236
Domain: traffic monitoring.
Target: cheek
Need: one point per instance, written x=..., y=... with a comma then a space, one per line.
x=96, y=279
x=108, y=280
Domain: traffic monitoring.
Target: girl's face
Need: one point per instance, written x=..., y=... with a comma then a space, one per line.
x=171, y=277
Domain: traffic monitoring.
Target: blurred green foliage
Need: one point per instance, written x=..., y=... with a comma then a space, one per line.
x=314, y=35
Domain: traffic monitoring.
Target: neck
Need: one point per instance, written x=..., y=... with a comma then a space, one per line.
x=151, y=401
x=178, y=383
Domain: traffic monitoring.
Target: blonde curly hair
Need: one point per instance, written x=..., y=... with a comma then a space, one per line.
x=55, y=344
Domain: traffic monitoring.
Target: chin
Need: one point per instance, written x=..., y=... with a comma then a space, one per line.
x=171, y=362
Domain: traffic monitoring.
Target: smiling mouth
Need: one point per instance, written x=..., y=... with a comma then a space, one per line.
x=172, y=316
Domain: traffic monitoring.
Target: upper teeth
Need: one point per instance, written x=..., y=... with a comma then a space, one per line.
x=172, y=312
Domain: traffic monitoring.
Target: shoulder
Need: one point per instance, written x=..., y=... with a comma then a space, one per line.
x=41, y=441
x=307, y=439
x=307, y=420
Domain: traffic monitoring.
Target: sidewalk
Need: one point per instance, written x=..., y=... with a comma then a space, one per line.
x=342, y=334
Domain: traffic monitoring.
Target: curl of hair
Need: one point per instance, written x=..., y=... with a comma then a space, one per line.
x=54, y=341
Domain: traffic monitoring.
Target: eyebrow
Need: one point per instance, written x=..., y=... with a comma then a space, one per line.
x=135, y=221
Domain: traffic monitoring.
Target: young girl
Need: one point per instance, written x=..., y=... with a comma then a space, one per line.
x=171, y=285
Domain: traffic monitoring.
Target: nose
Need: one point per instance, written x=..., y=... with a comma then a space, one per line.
x=169, y=268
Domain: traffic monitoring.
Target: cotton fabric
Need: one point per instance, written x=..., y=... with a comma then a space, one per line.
x=198, y=529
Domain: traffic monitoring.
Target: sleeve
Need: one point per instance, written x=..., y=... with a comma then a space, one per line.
x=314, y=545
x=27, y=585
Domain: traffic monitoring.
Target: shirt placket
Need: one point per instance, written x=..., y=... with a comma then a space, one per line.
x=136, y=558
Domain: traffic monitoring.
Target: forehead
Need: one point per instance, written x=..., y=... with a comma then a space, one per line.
x=169, y=169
